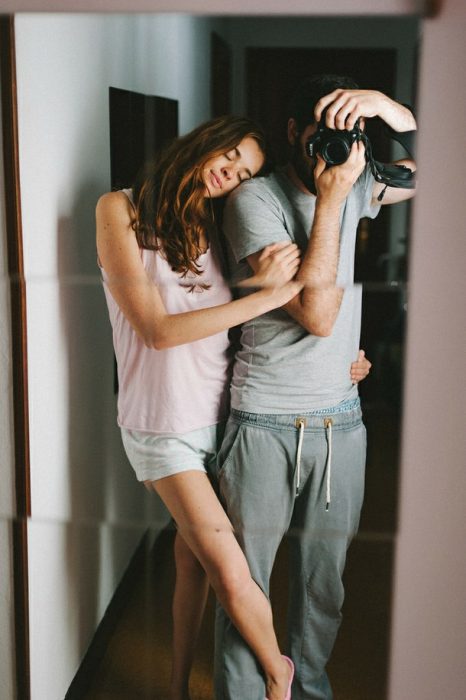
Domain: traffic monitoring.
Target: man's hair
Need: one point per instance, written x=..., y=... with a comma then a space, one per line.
x=309, y=92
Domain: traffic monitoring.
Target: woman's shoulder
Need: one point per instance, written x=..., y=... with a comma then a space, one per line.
x=119, y=199
x=114, y=217
x=115, y=210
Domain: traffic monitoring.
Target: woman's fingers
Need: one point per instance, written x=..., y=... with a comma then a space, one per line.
x=278, y=264
x=285, y=250
x=273, y=248
x=288, y=255
x=360, y=368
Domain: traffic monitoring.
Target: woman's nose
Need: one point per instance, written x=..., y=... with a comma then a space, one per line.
x=227, y=171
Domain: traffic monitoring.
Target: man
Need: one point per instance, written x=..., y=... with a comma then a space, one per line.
x=293, y=456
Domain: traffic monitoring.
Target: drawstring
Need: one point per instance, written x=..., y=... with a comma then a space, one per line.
x=301, y=424
x=328, y=427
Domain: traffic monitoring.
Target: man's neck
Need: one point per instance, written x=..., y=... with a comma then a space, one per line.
x=296, y=180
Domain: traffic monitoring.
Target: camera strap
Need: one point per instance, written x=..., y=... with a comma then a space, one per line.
x=390, y=174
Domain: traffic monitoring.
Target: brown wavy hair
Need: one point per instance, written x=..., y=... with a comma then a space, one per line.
x=172, y=210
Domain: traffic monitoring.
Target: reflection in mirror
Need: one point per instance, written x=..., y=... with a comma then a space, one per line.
x=99, y=545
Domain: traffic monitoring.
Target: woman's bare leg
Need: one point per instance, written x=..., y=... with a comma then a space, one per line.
x=189, y=601
x=205, y=527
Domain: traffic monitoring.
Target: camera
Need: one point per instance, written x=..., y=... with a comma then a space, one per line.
x=333, y=145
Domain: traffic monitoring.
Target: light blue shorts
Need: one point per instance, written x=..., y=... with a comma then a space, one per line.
x=157, y=455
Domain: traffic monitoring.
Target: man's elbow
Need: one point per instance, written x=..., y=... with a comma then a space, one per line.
x=322, y=330
x=317, y=318
x=321, y=327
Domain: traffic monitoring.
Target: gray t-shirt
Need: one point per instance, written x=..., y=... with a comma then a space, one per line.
x=281, y=368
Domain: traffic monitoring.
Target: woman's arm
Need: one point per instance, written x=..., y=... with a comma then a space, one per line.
x=140, y=300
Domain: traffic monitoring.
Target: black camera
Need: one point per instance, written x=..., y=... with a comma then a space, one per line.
x=334, y=145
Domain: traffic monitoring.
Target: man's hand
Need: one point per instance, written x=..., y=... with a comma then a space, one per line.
x=334, y=184
x=345, y=107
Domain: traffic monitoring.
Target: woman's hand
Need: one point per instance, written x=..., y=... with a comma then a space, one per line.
x=360, y=368
x=278, y=264
x=279, y=296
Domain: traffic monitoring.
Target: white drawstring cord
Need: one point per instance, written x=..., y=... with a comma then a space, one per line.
x=301, y=424
x=328, y=427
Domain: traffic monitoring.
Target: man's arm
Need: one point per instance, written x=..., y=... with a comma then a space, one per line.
x=316, y=307
x=345, y=107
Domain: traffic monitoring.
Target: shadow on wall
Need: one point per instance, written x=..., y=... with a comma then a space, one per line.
x=102, y=487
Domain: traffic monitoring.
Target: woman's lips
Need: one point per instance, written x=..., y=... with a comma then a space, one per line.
x=216, y=181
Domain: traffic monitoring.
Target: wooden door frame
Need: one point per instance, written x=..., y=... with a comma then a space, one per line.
x=14, y=236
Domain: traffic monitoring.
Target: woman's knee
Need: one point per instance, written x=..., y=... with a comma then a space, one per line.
x=231, y=583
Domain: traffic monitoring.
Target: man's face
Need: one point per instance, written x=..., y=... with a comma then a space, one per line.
x=303, y=164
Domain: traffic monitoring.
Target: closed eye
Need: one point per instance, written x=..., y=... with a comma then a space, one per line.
x=234, y=155
x=247, y=175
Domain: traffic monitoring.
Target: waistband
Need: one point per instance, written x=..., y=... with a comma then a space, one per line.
x=344, y=415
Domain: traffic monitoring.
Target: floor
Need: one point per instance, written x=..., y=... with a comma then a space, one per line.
x=136, y=663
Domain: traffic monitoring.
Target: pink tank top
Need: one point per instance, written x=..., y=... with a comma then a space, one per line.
x=181, y=388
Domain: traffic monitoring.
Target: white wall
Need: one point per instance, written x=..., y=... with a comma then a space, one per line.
x=88, y=510
x=7, y=503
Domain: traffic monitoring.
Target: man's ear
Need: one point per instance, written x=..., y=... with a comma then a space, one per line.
x=293, y=132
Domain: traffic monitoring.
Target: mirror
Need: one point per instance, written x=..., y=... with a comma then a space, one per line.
x=91, y=521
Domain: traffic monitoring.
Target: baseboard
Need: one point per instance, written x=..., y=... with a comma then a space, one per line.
x=96, y=650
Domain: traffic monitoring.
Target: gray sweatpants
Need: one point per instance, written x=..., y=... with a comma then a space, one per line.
x=302, y=474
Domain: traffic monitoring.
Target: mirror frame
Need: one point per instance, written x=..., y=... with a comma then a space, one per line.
x=19, y=353
x=22, y=498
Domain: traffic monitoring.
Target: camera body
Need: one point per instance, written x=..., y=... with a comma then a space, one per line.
x=333, y=145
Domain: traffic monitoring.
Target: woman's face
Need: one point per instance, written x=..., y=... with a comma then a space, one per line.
x=223, y=173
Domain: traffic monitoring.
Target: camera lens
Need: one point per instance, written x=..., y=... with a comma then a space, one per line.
x=335, y=151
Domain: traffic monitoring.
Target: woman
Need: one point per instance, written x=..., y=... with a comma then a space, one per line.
x=171, y=309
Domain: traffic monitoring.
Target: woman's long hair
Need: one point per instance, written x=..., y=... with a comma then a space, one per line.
x=172, y=210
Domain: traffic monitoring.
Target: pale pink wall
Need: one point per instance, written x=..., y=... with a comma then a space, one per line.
x=429, y=622
x=229, y=7
x=429, y=630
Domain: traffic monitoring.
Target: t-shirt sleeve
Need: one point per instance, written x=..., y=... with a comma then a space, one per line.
x=252, y=220
x=365, y=186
